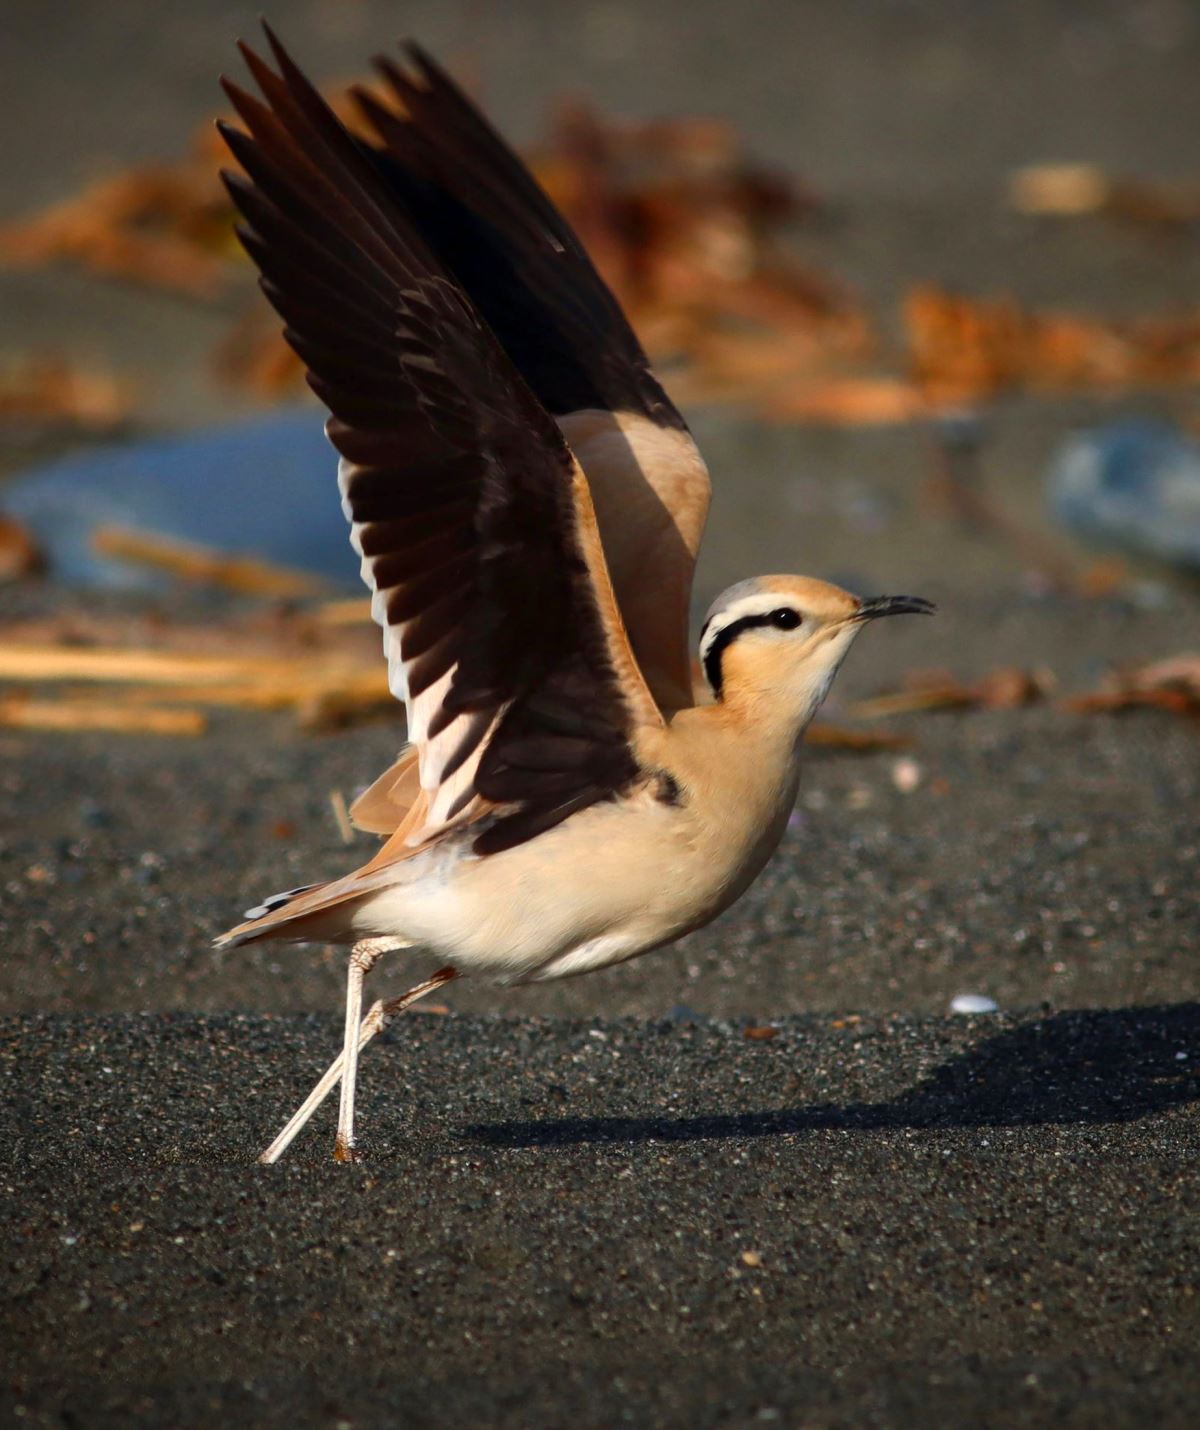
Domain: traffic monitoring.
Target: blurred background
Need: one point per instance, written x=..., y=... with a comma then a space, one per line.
x=925, y=278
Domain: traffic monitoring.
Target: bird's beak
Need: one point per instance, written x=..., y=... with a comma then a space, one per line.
x=893, y=606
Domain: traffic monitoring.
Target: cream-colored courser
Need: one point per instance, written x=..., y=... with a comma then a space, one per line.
x=528, y=505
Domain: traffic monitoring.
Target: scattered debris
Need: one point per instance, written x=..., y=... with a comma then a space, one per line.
x=848, y=401
x=840, y=737
x=200, y=565
x=906, y=775
x=1172, y=685
x=760, y=1034
x=1059, y=190
x=689, y=234
x=21, y=713
x=165, y=226
x=341, y=815
x=20, y=555
x=49, y=391
x=962, y=350
x=324, y=675
x=973, y=1003
x=1005, y=688
x=686, y=232
x=1075, y=190
x=1104, y=578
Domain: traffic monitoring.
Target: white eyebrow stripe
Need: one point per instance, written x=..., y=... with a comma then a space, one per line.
x=760, y=603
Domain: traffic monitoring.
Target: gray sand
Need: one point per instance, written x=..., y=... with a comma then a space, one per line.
x=983, y=1221
x=947, y=1221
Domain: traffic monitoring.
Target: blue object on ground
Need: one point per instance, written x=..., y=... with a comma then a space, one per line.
x=266, y=487
x=1134, y=484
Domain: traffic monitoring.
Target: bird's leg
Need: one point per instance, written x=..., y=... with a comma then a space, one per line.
x=381, y=1014
x=363, y=957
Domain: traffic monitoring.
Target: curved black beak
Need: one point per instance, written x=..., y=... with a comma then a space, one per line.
x=893, y=606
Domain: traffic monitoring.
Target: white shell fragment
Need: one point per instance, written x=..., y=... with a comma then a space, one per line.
x=973, y=1003
x=906, y=774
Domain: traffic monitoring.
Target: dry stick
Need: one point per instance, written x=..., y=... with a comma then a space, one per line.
x=26, y=662
x=341, y=815
x=903, y=702
x=838, y=737
x=353, y=611
x=259, y=682
x=98, y=715
x=193, y=562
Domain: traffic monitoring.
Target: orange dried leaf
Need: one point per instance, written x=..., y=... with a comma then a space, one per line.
x=1005, y=688
x=19, y=553
x=838, y=737
x=1172, y=684
x=190, y=561
x=848, y=401
x=44, y=388
x=962, y=349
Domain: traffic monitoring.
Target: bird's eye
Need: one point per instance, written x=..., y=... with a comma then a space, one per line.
x=786, y=619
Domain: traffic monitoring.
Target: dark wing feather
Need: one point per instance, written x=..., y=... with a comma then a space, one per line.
x=492, y=225
x=494, y=228
x=466, y=504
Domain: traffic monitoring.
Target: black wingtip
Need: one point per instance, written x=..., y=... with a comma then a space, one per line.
x=237, y=185
x=287, y=66
x=423, y=60
x=401, y=81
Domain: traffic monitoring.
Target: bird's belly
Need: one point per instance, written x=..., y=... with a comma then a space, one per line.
x=609, y=884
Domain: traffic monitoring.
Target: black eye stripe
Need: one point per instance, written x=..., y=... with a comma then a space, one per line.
x=785, y=618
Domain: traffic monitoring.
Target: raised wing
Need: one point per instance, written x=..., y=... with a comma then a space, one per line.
x=494, y=228
x=472, y=517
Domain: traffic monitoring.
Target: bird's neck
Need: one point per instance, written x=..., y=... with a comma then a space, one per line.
x=775, y=719
x=755, y=740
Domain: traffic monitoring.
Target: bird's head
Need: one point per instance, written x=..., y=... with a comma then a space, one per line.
x=781, y=639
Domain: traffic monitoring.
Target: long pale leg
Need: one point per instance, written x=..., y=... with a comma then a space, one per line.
x=381, y=1014
x=363, y=957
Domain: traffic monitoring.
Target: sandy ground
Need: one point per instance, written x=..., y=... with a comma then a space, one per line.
x=877, y=1222
x=989, y=1221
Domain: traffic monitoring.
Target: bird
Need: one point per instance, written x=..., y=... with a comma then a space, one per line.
x=528, y=504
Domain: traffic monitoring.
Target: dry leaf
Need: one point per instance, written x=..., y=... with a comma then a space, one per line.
x=838, y=737
x=48, y=389
x=1005, y=688
x=849, y=401
x=22, y=713
x=19, y=553
x=1072, y=190
x=1059, y=190
x=1172, y=685
x=201, y=565
x=962, y=350
x=276, y=661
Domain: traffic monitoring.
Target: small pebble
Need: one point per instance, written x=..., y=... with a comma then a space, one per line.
x=906, y=774
x=973, y=1003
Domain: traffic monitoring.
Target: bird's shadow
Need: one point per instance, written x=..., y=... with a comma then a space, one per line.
x=1071, y=1068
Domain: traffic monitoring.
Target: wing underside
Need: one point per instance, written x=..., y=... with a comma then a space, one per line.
x=472, y=518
